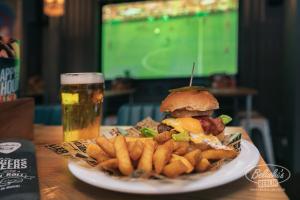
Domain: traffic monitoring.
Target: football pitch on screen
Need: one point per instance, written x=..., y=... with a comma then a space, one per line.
x=167, y=47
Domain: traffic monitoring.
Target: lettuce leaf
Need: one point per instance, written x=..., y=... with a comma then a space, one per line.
x=225, y=119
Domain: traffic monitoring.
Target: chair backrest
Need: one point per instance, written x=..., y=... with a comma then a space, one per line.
x=130, y=114
x=48, y=114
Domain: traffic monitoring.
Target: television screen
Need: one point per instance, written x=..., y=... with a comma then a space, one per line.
x=162, y=39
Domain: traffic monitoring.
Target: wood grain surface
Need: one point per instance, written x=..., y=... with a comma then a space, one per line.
x=16, y=119
x=56, y=182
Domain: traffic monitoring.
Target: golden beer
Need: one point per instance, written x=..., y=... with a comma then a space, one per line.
x=81, y=98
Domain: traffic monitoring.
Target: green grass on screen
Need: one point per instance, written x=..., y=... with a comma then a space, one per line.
x=166, y=48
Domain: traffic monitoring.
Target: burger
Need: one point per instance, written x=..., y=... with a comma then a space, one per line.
x=189, y=116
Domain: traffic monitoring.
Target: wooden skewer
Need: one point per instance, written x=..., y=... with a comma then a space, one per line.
x=192, y=75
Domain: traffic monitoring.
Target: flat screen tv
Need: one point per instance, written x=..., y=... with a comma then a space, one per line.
x=162, y=39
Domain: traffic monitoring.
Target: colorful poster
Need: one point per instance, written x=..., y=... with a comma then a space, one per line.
x=9, y=56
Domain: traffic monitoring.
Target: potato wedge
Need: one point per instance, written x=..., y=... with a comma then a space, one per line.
x=217, y=154
x=189, y=166
x=163, y=137
x=142, y=139
x=193, y=157
x=174, y=169
x=181, y=148
x=162, y=156
x=145, y=162
x=122, y=154
x=109, y=165
x=106, y=145
x=135, y=149
x=203, y=165
x=94, y=151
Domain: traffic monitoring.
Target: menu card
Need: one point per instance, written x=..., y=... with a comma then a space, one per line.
x=18, y=172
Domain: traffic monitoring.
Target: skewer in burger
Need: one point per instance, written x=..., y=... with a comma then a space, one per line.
x=189, y=116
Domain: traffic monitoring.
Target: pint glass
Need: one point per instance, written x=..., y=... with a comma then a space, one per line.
x=81, y=99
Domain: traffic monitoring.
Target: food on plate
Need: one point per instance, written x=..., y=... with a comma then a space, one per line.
x=122, y=154
x=145, y=162
x=181, y=148
x=203, y=165
x=135, y=149
x=163, y=137
x=189, y=116
x=109, y=165
x=217, y=154
x=189, y=166
x=93, y=150
x=96, y=152
x=193, y=156
x=106, y=145
x=188, y=140
x=174, y=169
x=162, y=156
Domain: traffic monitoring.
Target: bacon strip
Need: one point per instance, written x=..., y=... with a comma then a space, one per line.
x=211, y=125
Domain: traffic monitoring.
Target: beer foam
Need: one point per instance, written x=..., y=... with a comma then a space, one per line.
x=81, y=78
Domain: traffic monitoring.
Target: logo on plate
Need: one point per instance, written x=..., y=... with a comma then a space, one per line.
x=268, y=176
x=9, y=147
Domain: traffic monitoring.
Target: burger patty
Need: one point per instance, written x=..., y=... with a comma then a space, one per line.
x=163, y=127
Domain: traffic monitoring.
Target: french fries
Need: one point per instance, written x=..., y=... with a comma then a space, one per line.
x=122, y=154
x=135, y=149
x=145, y=162
x=217, y=154
x=109, y=165
x=142, y=139
x=94, y=151
x=181, y=148
x=162, y=156
x=170, y=158
x=163, y=137
x=106, y=145
x=203, y=165
x=193, y=156
x=174, y=169
x=189, y=166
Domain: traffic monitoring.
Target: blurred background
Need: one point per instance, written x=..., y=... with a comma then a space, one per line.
x=245, y=52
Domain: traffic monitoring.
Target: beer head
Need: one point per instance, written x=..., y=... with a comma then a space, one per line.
x=81, y=78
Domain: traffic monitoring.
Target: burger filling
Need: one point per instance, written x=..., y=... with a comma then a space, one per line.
x=210, y=125
x=199, y=129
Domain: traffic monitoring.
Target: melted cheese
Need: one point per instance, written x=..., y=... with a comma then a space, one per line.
x=184, y=124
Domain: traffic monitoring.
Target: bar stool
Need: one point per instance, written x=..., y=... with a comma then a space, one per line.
x=262, y=125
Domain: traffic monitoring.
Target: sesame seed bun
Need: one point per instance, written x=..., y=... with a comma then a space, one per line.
x=189, y=100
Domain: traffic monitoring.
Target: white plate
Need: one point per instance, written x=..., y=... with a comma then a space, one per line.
x=241, y=165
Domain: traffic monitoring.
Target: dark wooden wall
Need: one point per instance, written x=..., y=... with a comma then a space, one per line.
x=261, y=64
x=56, y=45
x=269, y=61
x=291, y=83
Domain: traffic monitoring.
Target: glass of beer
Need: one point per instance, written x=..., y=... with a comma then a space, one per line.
x=81, y=98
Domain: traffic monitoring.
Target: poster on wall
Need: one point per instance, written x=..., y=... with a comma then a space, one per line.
x=9, y=56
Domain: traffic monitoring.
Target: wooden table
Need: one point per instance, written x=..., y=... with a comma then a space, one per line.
x=56, y=182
